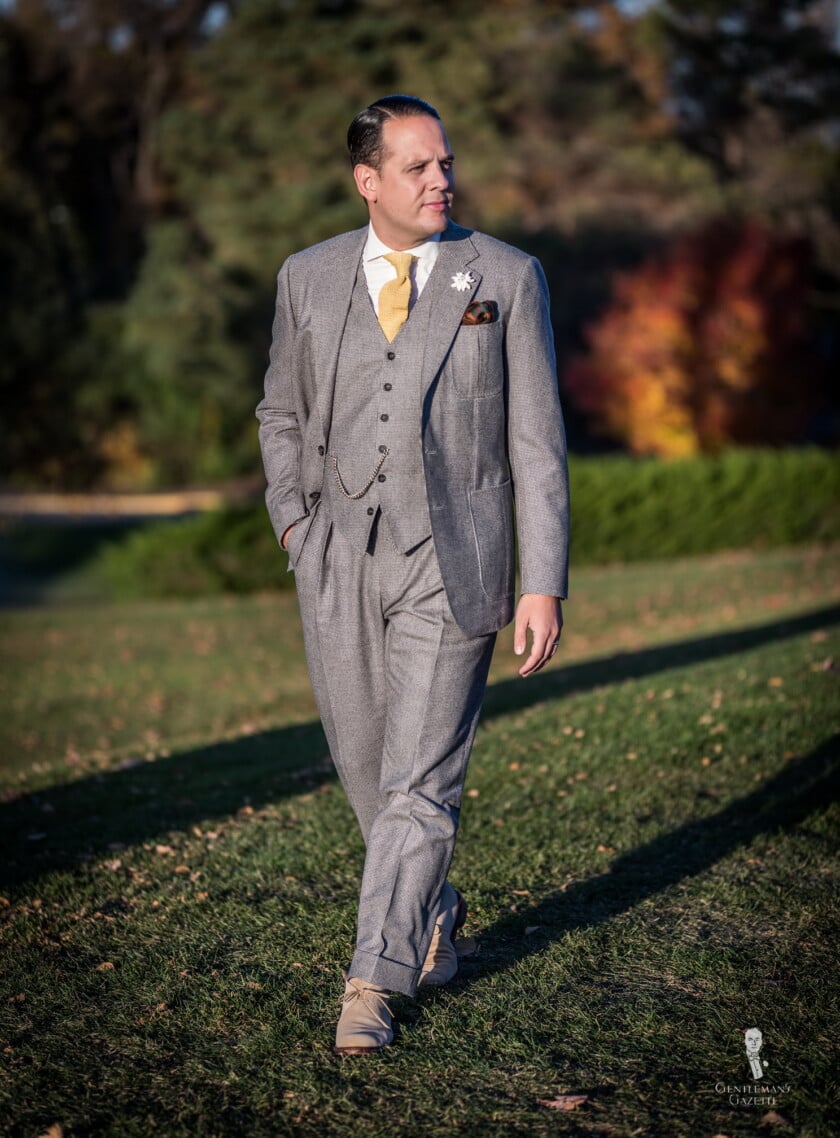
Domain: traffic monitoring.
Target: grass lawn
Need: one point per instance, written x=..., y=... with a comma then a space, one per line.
x=647, y=844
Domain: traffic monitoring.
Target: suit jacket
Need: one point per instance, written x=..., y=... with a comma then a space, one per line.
x=491, y=424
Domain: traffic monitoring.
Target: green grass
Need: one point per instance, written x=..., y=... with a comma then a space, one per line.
x=647, y=846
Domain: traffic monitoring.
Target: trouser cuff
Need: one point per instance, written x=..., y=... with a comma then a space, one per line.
x=385, y=972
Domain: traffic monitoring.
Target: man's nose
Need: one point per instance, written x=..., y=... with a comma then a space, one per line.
x=441, y=176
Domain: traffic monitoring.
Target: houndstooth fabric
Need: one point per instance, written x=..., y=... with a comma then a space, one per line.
x=489, y=416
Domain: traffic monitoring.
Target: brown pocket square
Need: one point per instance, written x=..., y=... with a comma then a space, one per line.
x=481, y=312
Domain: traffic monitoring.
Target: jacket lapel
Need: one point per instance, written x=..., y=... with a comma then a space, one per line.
x=334, y=290
x=454, y=267
x=330, y=305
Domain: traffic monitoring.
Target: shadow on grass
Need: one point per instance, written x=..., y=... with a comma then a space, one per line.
x=784, y=801
x=65, y=825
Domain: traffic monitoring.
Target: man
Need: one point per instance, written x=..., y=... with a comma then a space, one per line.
x=410, y=397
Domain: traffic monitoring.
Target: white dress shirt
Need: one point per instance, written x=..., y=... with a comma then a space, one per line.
x=378, y=271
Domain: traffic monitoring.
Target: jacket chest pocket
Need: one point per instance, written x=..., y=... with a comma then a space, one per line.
x=475, y=365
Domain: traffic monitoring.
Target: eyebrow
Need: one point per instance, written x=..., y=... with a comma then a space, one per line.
x=426, y=161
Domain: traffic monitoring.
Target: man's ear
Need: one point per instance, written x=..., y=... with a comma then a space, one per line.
x=367, y=182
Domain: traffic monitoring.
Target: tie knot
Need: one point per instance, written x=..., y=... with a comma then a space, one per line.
x=401, y=262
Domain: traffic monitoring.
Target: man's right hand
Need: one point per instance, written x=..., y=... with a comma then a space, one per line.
x=284, y=539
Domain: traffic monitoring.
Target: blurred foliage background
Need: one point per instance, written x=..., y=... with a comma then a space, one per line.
x=675, y=166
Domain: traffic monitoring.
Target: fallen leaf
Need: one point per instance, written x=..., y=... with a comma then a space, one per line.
x=105, y=966
x=564, y=1102
x=775, y=682
x=55, y=1131
x=531, y=929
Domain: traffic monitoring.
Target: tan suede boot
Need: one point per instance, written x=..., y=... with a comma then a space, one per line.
x=441, y=963
x=366, y=1022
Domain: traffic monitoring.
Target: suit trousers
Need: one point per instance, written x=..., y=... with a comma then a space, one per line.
x=399, y=688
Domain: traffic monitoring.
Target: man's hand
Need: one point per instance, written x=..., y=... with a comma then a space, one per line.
x=544, y=616
x=286, y=533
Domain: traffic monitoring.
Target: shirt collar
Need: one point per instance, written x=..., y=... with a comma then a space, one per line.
x=375, y=248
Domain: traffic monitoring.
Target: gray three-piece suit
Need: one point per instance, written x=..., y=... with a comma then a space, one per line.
x=403, y=586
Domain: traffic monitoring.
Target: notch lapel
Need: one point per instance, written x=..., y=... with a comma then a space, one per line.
x=330, y=303
x=457, y=255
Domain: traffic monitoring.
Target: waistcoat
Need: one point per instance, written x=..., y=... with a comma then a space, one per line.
x=377, y=405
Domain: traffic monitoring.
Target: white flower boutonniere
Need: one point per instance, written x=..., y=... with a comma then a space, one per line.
x=462, y=281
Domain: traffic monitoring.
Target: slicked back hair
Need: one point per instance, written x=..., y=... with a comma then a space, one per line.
x=364, y=136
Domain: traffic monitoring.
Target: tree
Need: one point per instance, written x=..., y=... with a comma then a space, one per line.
x=82, y=86
x=704, y=346
x=157, y=165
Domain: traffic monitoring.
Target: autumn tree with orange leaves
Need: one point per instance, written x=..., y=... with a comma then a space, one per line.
x=703, y=347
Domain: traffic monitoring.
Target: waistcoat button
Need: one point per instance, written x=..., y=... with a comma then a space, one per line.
x=387, y=386
x=384, y=418
x=381, y=477
x=392, y=355
x=370, y=509
x=320, y=450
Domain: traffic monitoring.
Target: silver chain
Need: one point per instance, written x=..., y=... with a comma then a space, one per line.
x=359, y=493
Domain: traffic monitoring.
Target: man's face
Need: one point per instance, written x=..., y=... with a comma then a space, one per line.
x=410, y=197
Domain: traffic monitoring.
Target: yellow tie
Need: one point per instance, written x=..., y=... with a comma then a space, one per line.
x=394, y=296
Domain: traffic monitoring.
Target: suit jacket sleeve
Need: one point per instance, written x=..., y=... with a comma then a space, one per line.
x=537, y=439
x=279, y=431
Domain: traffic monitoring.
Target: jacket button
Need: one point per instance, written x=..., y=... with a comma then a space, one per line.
x=370, y=510
x=382, y=448
x=387, y=386
x=392, y=355
x=320, y=450
x=380, y=478
x=384, y=418
x=315, y=495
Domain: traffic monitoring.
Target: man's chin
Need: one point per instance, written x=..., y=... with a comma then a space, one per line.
x=436, y=220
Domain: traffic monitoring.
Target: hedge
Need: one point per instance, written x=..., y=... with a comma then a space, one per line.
x=623, y=509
